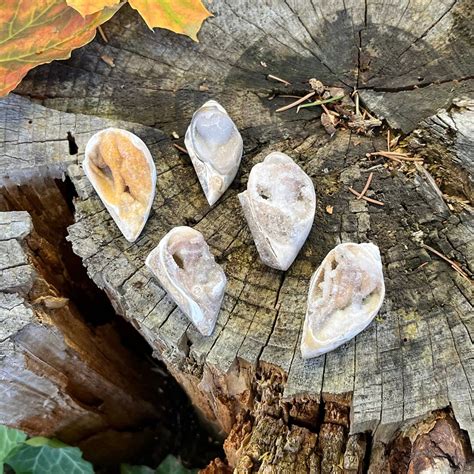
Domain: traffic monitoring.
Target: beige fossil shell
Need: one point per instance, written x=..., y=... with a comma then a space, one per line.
x=215, y=147
x=187, y=270
x=279, y=206
x=121, y=170
x=345, y=294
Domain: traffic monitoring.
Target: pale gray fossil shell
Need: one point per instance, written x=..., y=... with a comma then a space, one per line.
x=121, y=170
x=279, y=205
x=187, y=270
x=215, y=147
x=345, y=294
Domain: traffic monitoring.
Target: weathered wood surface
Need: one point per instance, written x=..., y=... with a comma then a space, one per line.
x=59, y=376
x=408, y=59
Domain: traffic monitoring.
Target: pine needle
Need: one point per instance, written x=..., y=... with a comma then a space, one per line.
x=319, y=102
x=373, y=201
x=366, y=187
x=279, y=79
x=296, y=102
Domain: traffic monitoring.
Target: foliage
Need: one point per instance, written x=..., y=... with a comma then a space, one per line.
x=180, y=16
x=39, y=455
x=47, y=460
x=9, y=439
x=34, y=32
x=183, y=16
x=170, y=465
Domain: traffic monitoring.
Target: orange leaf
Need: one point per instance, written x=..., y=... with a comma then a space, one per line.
x=180, y=16
x=34, y=32
x=87, y=7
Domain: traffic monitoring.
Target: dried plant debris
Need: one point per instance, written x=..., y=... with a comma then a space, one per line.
x=340, y=109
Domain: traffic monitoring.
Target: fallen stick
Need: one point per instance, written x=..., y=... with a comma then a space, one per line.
x=180, y=148
x=453, y=264
x=296, y=102
x=373, y=201
x=319, y=102
x=102, y=33
x=366, y=187
x=394, y=156
x=279, y=79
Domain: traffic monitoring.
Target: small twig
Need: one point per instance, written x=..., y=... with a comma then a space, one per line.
x=388, y=140
x=375, y=167
x=421, y=266
x=320, y=102
x=296, y=102
x=329, y=112
x=385, y=156
x=431, y=181
x=366, y=187
x=102, y=33
x=275, y=78
x=357, y=103
x=392, y=153
x=181, y=148
x=373, y=201
x=289, y=96
x=453, y=264
x=394, y=156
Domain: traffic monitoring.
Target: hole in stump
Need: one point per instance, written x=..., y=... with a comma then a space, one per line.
x=73, y=148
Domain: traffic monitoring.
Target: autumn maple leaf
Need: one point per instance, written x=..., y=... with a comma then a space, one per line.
x=34, y=32
x=180, y=16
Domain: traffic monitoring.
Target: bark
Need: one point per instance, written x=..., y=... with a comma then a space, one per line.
x=351, y=408
x=59, y=376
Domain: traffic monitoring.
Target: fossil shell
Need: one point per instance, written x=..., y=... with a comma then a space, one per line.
x=345, y=294
x=215, y=147
x=279, y=206
x=187, y=270
x=121, y=170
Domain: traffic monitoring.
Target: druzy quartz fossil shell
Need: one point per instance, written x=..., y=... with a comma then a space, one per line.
x=345, y=294
x=121, y=170
x=187, y=270
x=215, y=147
x=279, y=206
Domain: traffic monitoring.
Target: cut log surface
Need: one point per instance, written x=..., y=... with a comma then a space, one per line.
x=407, y=59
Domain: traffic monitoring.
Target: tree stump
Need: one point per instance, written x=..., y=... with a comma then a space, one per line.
x=402, y=385
x=59, y=376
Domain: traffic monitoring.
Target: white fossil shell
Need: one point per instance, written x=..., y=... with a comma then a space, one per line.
x=345, y=294
x=215, y=147
x=187, y=270
x=121, y=170
x=279, y=206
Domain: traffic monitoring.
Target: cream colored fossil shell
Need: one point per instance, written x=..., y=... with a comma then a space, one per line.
x=121, y=170
x=187, y=270
x=345, y=294
x=279, y=206
x=215, y=147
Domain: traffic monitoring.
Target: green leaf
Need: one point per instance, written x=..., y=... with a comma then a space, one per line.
x=172, y=465
x=41, y=441
x=47, y=460
x=319, y=102
x=9, y=439
x=129, y=469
